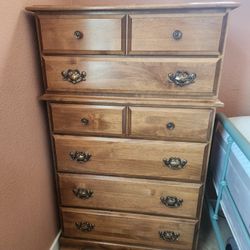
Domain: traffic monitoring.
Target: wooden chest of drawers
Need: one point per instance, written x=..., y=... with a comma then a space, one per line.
x=131, y=93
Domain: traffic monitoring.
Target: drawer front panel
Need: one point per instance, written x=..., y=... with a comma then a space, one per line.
x=171, y=123
x=95, y=34
x=87, y=119
x=134, y=75
x=176, y=33
x=131, y=195
x=127, y=228
x=111, y=156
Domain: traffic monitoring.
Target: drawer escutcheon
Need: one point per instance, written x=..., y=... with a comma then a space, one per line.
x=83, y=193
x=171, y=201
x=80, y=157
x=84, y=226
x=174, y=163
x=169, y=235
x=181, y=78
x=74, y=75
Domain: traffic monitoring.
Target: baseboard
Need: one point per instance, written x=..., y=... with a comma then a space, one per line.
x=55, y=244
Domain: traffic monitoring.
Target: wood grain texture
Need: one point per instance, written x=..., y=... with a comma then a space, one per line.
x=128, y=228
x=127, y=157
x=102, y=34
x=154, y=33
x=136, y=75
x=66, y=118
x=189, y=124
x=79, y=244
x=129, y=194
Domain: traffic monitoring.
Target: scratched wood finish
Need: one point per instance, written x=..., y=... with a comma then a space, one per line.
x=127, y=228
x=102, y=34
x=125, y=157
x=189, y=124
x=133, y=75
x=154, y=33
x=129, y=194
x=79, y=244
x=67, y=118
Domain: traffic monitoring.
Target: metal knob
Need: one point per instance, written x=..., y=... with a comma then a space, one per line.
x=84, y=121
x=74, y=75
x=78, y=34
x=171, y=201
x=181, y=78
x=83, y=193
x=84, y=226
x=174, y=163
x=169, y=235
x=80, y=157
x=177, y=35
x=170, y=125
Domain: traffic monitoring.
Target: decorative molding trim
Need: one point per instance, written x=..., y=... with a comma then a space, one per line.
x=55, y=244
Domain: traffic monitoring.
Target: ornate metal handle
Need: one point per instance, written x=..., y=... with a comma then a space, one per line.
x=83, y=193
x=177, y=35
x=182, y=78
x=171, y=201
x=74, y=76
x=78, y=34
x=80, y=157
x=84, y=121
x=170, y=125
x=174, y=163
x=84, y=226
x=169, y=235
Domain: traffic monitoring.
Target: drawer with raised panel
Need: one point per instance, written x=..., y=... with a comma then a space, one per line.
x=171, y=123
x=83, y=34
x=154, y=75
x=154, y=231
x=175, y=33
x=129, y=194
x=87, y=119
x=127, y=157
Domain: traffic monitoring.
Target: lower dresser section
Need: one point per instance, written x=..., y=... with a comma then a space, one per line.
x=127, y=228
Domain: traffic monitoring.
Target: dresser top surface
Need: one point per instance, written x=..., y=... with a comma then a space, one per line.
x=94, y=5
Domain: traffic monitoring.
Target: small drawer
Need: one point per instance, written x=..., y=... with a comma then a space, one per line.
x=77, y=244
x=129, y=195
x=83, y=34
x=127, y=228
x=154, y=75
x=175, y=33
x=171, y=123
x=87, y=119
x=127, y=157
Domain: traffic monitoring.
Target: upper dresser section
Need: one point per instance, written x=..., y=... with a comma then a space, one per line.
x=182, y=33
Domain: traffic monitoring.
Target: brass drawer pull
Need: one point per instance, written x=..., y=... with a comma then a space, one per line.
x=171, y=201
x=169, y=235
x=177, y=35
x=78, y=34
x=84, y=121
x=84, y=226
x=182, y=78
x=80, y=157
x=170, y=125
x=74, y=76
x=174, y=163
x=83, y=193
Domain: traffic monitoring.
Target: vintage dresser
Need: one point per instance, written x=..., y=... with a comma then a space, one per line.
x=131, y=93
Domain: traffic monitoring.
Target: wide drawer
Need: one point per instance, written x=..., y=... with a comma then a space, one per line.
x=85, y=119
x=126, y=157
x=83, y=34
x=176, y=33
x=153, y=231
x=171, y=123
x=129, y=194
x=153, y=76
x=80, y=244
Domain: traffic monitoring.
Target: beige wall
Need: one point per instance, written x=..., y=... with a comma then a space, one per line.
x=235, y=81
x=27, y=202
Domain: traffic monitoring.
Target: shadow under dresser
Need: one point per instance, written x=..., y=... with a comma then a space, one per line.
x=131, y=94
